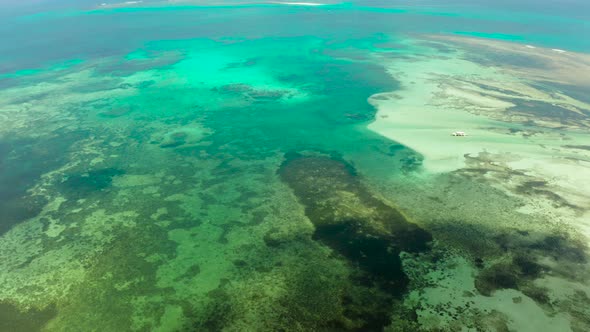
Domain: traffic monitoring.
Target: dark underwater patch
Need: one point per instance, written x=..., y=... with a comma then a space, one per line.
x=115, y=112
x=218, y=315
x=377, y=256
x=579, y=147
x=251, y=62
x=175, y=140
x=14, y=320
x=496, y=277
x=512, y=275
x=80, y=185
x=462, y=234
x=515, y=258
x=527, y=266
x=560, y=248
x=487, y=87
x=22, y=162
x=546, y=111
x=506, y=58
x=539, y=188
x=523, y=268
x=439, y=47
x=411, y=162
x=250, y=93
x=360, y=227
x=579, y=92
x=190, y=273
x=129, y=67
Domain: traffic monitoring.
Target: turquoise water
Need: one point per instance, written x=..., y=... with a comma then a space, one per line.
x=146, y=154
x=101, y=32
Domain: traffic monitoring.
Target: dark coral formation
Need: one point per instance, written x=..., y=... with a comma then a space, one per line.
x=523, y=267
x=14, y=320
x=80, y=185
x=115, y=112
x=500, y=276
x=360, y=227
x=250, y=93
x=174, y=140
x=22, y=162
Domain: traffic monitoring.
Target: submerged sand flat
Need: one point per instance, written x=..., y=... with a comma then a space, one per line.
x=504, y=111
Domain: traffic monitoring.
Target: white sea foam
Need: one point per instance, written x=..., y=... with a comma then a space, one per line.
x=558, y=50
x=529, y=46
x=121, y=4
x=298, y=3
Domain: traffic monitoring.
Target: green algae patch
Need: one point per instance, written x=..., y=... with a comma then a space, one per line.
x=366, y=231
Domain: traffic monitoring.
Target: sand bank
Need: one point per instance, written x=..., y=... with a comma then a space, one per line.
x=506, y=111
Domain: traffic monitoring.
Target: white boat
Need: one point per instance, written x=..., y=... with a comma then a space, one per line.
x=459, y=133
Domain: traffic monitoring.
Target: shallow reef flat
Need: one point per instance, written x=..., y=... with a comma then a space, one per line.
x=151, y=199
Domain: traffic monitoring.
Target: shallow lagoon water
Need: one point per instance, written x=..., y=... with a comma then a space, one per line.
x=150, y=165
